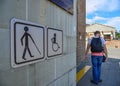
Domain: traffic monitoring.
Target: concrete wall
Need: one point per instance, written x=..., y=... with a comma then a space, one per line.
x=44, y=13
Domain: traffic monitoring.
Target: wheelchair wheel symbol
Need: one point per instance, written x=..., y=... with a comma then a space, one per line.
x=55, y=45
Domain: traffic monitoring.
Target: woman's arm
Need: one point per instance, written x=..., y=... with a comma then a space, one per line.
x=87, y=50
x=105, y=51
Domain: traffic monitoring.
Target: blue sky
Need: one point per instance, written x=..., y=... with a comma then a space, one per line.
x=105, y=12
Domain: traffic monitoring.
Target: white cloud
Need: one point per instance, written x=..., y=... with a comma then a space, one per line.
x=95, y=19
x=89, y=21
x=99, y=18
x=112, y=5
x=93, y=7
x=102, y=5
x=115, y=22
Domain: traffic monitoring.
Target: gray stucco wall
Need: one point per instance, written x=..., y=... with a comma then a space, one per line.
x=44, y=13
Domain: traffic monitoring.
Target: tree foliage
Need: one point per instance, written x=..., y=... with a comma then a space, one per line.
x=117, y=35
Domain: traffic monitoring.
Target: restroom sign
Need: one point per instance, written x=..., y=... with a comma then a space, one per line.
x=54, y=42
x=27, y=43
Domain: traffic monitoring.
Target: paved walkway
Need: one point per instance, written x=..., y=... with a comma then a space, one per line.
x=110, y=71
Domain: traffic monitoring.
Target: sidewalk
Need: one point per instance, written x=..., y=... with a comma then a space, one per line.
x=110, y=73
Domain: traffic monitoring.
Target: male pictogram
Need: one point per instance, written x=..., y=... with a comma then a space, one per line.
x=26, y=37
x=55, y=45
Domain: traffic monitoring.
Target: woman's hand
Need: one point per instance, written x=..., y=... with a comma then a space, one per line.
x=106, y=59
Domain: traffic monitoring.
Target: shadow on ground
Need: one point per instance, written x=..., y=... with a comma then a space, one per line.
x=110, y=73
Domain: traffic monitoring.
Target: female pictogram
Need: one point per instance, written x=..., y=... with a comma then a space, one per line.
x=55, y=45
x=26, y=37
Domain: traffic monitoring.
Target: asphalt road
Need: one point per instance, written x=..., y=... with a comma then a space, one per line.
x=110, y=70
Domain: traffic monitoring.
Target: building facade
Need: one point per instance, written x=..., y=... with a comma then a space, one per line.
x=108, y=32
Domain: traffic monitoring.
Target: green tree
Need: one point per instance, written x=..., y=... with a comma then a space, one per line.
x=117, y=35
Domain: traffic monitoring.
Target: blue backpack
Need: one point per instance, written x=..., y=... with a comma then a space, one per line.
x=96, y=45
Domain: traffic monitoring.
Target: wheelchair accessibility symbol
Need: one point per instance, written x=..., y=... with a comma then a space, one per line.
x=54, y=42
x=55, y=45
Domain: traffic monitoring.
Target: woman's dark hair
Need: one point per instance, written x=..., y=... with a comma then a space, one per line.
x=96, y=32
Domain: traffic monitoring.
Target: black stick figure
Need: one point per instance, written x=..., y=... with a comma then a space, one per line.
x=55, y=45
x=26, y=35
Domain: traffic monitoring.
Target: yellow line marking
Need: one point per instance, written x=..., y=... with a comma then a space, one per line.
x=82, y=72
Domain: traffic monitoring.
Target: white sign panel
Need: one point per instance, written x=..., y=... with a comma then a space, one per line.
x=54, y=42
x=27, y=43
